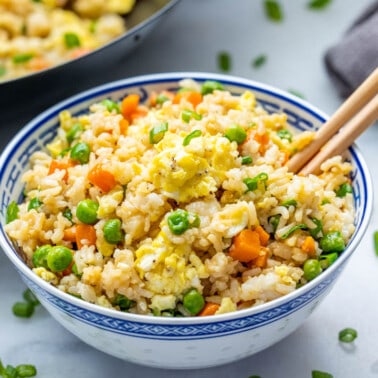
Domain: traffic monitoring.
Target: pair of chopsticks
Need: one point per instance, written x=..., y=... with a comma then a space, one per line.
x=353, y=117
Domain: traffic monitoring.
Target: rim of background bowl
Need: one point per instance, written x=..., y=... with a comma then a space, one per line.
x=167, y=78
x=128, y=33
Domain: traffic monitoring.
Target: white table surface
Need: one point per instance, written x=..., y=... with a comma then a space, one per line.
x=188, y=39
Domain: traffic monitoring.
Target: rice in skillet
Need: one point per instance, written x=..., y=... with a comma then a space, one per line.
x=184, y=207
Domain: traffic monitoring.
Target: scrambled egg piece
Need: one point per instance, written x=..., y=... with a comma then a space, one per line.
x=169, y=269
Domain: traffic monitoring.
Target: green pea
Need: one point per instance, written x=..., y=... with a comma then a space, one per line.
x=24, y=371
x=12, y=212
x=34, y=203
x=328, y=259
x=311, y=269
x=59, y=258
x=23, y=309
x=113, y=232
x=192, y=135
x=178, y=221
x=193, y=301
x=86, y=211
x=236, y=134
x=157, y=132
x=246, y=160
x=80, y=152
x=344, y=189
x=74, y=132
x=39, y=258
x=161, y=99
x=29, y=296
x=285, y=134
x=209, y=86
x=123, y=302
x=111, y=105
x=332, y=242
x=71, y=40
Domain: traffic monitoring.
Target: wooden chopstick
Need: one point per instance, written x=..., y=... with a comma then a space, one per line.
x=323, y=144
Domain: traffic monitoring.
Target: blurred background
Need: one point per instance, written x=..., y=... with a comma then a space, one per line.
x=287, y=53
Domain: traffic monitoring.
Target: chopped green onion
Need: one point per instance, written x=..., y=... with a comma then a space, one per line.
x=347, y=335
x=252, y=183
x=22, y=58
x=75, y=130
x=67, y=214
x=285, y=134
x=24, y=371
x=325, y=201
x=376, y=242
x=34, y=203
x=344, y=189
x=300, y=226
x=273, y=10
x=187, y=115
x=320, y=374
x=224, y=61
x=246, y=160
x=161, y=99
x=327, y=260
x=157, y=132
x=259, y=61
x=10, y=372
x=29, y=296
x=123, y=302
x=3, y=71
x=290, y=202
x=318, y=229
x=71, y=40
x=12, y=212
x=209, y=86
x=189, y=137
x=178, y=221
x=318, y=4
x=111, y=105
x=93, y=26
x=236, y=134
x=274, y=220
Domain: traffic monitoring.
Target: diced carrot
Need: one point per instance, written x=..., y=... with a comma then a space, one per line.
x=193, y=97
x=262, y=259
x=286, y=157
x=263, y=140
x=263, y=235
x=101, y=178
x=123, y=126
x=308, y=245
x=78, y=52
x=38, y=64
x=85, y=235
x=129, y=105
x=139, y=112
x=246, y=246
x=59, y=165
x=209, y=309
x=69, y=234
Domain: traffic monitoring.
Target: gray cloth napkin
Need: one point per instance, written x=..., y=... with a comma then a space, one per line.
x=350, y=61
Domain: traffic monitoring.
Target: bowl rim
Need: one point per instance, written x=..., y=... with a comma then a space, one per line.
x=162, y=78
x=153, y=17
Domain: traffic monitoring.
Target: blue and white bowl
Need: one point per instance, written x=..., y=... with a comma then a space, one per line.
x=177, y=342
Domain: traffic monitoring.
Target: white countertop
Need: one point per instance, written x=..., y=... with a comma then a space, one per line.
x=189, y=39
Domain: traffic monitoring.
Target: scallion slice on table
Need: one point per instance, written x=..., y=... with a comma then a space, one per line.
x=273, y=10
x=376, y=242
x=320, y=374
x=347, y=335
x=319, y=4
x=259, y=61
x=224, y=61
